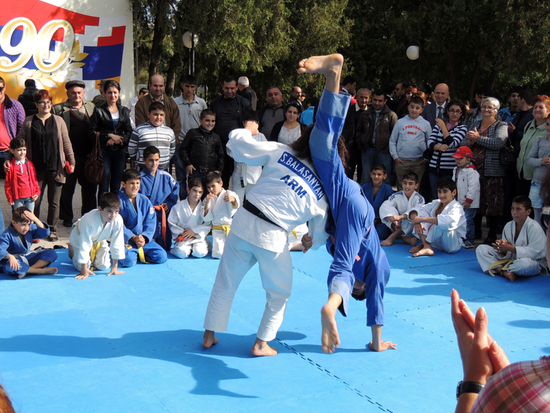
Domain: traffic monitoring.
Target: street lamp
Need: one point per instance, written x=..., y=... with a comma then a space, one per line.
x=190, y=41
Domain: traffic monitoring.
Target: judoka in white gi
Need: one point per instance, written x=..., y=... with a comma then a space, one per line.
x=394, y=212
x=522, y=249
x=16, y=257
x=441, y=223
x=186, y=223
x=162, y=190
x=219, y=207
x=88, y=245
x=287, y=194
x=140, y=223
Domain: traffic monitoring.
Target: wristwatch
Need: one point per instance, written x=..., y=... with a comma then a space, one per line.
x=468, y=387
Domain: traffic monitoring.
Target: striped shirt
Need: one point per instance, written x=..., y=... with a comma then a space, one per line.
x=444, y=160
x=148, y=135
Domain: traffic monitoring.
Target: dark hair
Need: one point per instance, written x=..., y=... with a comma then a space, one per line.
x=272, y=87
x=446, y=183
x=379, y=167
x=251, y=116
x=109, y=200
x=418, y=99
x=143, y=90
x=41, y=94
x=156, y=106
x=130, y=174
x=524, y=201
x=301, y=146
x=30, y=83
x=411, y=176
x=206, y=112
x=229, y=79
x=293, y=104
x=528, y=95
x=314, y=101
x=109, y=84
x=18, y=215
x=379, y=92
x=193, y=182
x=516, y=89
x=17, y=143
x=150, y=150
x=486, y=91
x=189, y=79
x=212, y=177
x=349, y=79
x=456, y=102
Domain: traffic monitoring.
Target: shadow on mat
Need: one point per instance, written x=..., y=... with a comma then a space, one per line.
x=179, y=346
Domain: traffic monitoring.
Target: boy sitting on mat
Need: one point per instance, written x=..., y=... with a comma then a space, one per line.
x=140, y=223
x=522, y=249
x=88, y=245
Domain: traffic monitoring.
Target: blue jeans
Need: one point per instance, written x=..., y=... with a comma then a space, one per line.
x=26, y=202
x=114, y=163
x=370, y=158
x=470, y=226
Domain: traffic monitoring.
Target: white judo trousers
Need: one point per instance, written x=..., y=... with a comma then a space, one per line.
x=487, y=255
x=276, y=274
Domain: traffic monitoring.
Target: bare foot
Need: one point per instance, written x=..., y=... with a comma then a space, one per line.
x=509, y=274
x=329, y=337
x=42, y=271
x=382, y=346
x=409, y=240
x=414, y=250
x=261, y=349
x=387, y=242
x=20, y=276
x=321, y=64
x=209, y=339
x=424, y=251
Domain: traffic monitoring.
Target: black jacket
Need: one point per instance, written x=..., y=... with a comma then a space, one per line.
x=102, y=122
x=202, y=150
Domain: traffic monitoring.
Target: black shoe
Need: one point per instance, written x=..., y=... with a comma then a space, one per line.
x=67, y=223
x=489, y=241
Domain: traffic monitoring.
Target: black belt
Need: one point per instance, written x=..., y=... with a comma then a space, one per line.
x=255, y=211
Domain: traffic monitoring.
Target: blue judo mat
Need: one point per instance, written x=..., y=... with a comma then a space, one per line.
x=132, y=343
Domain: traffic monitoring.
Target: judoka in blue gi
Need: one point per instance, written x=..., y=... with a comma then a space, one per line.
x=353, y=240
x=162, y=190
x=140, y=222
x=377, y=191
x=16, y=257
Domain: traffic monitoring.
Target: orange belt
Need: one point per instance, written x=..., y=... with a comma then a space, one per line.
x=159, y=207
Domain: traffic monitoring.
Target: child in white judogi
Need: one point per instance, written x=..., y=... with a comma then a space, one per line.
x=522, y=249
x=219, y=207
x=441, y=223
x=88, y=245
x=186, y=223
x=394, y=211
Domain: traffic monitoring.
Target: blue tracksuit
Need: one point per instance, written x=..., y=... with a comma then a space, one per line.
x=352, y=215
x=140, y=221
x=384, y=193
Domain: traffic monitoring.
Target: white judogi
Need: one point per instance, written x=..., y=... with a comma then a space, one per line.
x=295, y=236
x=87, y=231
x=220, y=213
x=450, y=229
x=245, y=176
x=398, y=204
x=530, y=250
x=289, y=193
x=182, y=217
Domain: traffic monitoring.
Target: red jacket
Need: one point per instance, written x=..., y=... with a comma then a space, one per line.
x=11, y=185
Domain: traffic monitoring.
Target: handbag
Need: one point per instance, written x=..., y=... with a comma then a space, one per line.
x=507, y=154
x=94, y=170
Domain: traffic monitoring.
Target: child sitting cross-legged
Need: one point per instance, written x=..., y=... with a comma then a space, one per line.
x=219, y=207
x=394, y=212
x=186, y=223
x=441, y=223
x=377, y=192
x=140, y=223
x=522, y=249
x=16, y=257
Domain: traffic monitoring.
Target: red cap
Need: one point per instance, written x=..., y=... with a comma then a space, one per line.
x=462, y=152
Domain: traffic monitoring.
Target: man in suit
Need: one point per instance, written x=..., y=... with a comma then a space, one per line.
x=436, y=109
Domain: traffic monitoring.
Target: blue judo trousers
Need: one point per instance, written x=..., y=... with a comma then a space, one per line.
x=356, y=246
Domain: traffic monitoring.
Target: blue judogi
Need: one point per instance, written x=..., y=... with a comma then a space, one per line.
x=352, y=216
x=384, y=193
x=10, y=243
x=160, y=189
x=140, y=221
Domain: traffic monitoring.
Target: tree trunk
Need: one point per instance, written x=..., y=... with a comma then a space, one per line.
x=171, y=86
x=158, y=36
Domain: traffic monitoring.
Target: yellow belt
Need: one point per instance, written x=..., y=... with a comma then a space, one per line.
x=141, y=253
x=505, y=263
x=224, y=228
x=295, y=233
x=93, y=253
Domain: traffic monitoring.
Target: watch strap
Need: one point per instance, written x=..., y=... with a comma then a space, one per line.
x=468, y=387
